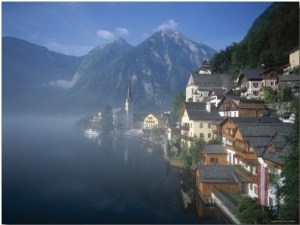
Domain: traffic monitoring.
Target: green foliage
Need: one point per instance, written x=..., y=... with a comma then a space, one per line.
x=107, y=117
x=196, y=149
x=177, y=103
x=269, y=96
x=250, y=212
x=287, y=94
x=289, y=191
x=168, y=148
x=272, y=35
x=185, y=155
x=216, y=140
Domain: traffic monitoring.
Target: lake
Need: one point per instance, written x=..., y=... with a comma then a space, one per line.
x=53, y=173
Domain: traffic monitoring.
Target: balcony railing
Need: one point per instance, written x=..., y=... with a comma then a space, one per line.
x=246, y=174
x=186, y=128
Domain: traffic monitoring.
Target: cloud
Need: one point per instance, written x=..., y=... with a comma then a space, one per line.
x=122, y=31
x=65, y=83
x=169, y=25
x=105, y=34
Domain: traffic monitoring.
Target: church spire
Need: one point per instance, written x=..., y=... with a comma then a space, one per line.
x=129, y=96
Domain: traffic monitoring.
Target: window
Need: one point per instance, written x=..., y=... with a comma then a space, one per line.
x=201, y=125
x=213, y=160
x=255, y=93
x=273, y=83
x=208, y=125
x=255, y=85
x=255, y=189
x=271, y=201
x=209, y=135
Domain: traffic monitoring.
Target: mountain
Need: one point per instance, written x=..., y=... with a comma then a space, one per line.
x=28, y=70
x=273, y=34
x=37, y=79
x=158, y=68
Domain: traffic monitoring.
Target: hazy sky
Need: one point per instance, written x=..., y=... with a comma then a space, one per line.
x=76, y=27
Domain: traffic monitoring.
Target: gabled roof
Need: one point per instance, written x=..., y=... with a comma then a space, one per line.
x=282, y=149
x=215, y=80
x=251, y=74
x=197, y=111
x=217, y=173
x=287, y=114
x=268, y=70
x=259, y=131
x=240, y=99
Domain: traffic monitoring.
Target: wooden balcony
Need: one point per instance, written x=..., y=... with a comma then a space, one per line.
x=186, y=128
x=246, y=174
x=242, y=153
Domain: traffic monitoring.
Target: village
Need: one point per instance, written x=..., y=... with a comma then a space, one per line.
x=241, y=128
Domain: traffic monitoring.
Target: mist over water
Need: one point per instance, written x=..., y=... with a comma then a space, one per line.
x=52, y=173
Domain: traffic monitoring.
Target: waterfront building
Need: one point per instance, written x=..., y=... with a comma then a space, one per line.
x=196, y=119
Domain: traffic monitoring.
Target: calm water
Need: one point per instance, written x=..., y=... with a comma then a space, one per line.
x=52, y=173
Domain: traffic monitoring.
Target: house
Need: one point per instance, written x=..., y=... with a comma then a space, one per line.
x=154, y=121
x=221, y=177
x=199, y=86
x=272, y=159
x=216, y=94
x=196, y=119
x=293, y=61
x=245, y=140
x=250, y=82
x=214, y=155
x=269, y=78
x=288, y=117
x=288, y=81
x=235, y=106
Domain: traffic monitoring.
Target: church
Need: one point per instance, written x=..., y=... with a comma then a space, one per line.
x=123, y=117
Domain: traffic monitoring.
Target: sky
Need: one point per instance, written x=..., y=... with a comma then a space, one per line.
x=75, y=28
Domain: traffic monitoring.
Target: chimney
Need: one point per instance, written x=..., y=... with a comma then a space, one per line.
x=208, y=106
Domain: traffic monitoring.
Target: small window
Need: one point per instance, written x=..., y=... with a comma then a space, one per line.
x=209, y=135
x=208, y=125
x=255, y=189
x=214, y=160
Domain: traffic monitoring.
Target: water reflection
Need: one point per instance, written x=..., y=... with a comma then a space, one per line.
x=66, y=177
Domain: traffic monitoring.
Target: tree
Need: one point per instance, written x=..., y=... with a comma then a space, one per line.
x=250, y=212
x=289, y=191
x=196, y=149
x=177, y=103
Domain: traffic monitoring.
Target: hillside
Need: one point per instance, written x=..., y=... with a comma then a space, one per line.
x=273, y=34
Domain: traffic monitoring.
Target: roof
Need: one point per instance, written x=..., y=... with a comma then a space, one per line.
x=278, y=156
x=197, y=111
x=241, y=99
x=251, y=74
x=215, y=80
x=282, y=148
x=288, y=77
x=260, y=134
x=215, y=149
x=286, y=114
x=269, y=69
x=217, y=173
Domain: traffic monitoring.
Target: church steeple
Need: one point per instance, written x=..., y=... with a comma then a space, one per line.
x=129, y=96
